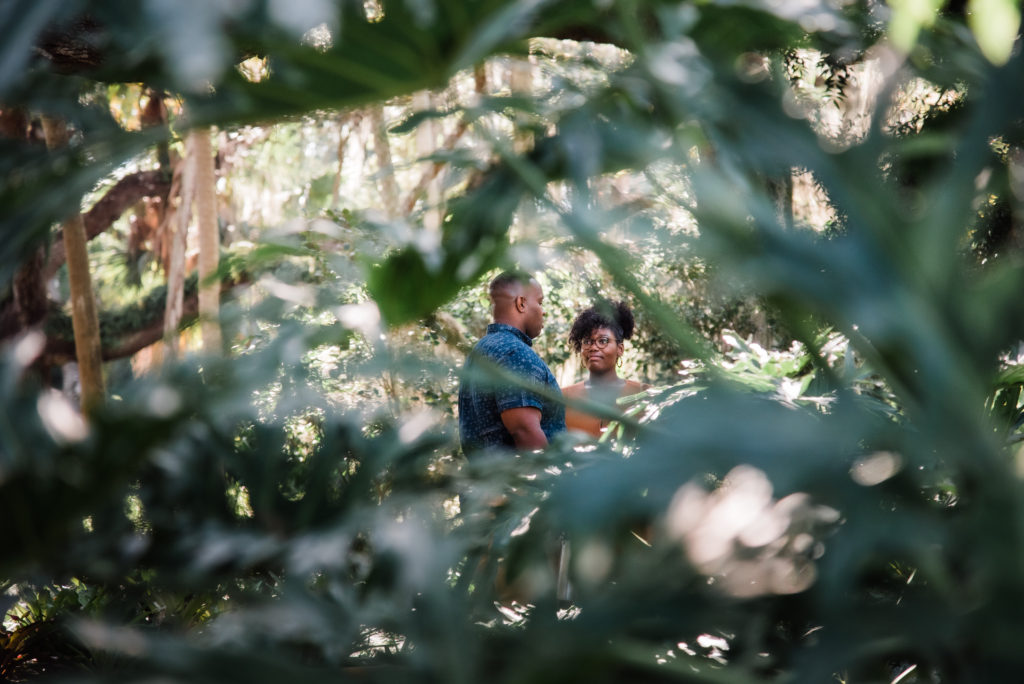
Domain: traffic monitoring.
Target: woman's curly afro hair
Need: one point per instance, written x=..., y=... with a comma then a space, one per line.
x=616, y=316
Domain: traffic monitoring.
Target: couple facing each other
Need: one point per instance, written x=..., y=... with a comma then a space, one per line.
x=495, y=411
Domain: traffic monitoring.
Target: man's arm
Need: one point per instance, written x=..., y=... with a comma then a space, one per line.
x=524, y=425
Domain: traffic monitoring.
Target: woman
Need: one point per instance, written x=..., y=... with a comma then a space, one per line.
x=597, y=335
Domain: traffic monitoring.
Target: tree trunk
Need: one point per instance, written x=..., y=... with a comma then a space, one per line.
x=426, y=145
x=385, y=168
x=179, y=241
x=347, y=124
x=520, y=81
x=429, y=183
x=28, y=289
x=519, y=75
x=209, y=242
x=84, y=318
x=780, y=190
x=13, y=123
x=126, y=193
x=480, y=78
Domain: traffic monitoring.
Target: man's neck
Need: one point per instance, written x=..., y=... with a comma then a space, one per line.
x=510, y=322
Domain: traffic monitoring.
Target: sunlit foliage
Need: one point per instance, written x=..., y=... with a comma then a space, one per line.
x=822, y=484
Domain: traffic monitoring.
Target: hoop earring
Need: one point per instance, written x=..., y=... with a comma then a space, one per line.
x=618, y=362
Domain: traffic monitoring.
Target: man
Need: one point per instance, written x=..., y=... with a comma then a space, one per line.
x=494, y=412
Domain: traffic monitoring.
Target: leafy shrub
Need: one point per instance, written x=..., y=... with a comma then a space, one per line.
x=844, y=508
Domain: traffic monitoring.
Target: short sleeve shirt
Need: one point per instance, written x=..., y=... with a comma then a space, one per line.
x=483, y=397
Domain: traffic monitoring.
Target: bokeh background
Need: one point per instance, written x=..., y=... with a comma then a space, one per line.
x=245, y=249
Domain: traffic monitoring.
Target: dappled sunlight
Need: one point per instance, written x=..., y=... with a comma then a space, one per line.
x=747, y=542
x=594, y=562
x=705, y=646
x=417, y=425
x=363, y=318
x=876, y=468
x=524, y=525
x=254, y=69
x=61, y=419
x=813, y=207
x=300, y=295
x=163, y=401
x=310, y=19
x=28, y=347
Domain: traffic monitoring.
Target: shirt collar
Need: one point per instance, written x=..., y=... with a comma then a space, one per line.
x=504, y=327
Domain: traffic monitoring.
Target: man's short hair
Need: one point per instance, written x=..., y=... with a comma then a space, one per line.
x=504, y=281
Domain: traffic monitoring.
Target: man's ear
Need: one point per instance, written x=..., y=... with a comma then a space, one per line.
x=520, y=303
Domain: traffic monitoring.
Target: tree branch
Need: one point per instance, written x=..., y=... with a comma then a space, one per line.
x=60, y=349
x=125, y=193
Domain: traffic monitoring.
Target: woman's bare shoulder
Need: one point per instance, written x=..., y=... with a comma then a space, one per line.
x=577, y=390
x=634, y=387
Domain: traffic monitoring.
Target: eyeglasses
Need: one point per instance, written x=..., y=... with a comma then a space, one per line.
x=599, y=342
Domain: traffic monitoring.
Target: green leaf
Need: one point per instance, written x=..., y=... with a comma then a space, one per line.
x=20, y=24
x=908, y=18
x=994, y=24
x=320, y=190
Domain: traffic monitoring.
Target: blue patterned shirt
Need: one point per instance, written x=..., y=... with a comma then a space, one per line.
x=483, y=397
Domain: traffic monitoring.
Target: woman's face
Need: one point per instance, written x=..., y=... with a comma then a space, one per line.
x=600, y=350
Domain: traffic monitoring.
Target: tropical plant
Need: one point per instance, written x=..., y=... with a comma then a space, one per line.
x=845, y=507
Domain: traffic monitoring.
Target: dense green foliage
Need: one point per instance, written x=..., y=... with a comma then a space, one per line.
x=846, y=508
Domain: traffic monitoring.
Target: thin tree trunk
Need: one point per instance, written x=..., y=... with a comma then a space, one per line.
x=429, y=183
x=480, y=78
x=84, y=318
x=780, y=190
x=179, y=241
x=520, y=83
x=209, y=242
x=347, y=124
x=426, y=145
x=28, y=287
x=385, y=169
x=520, y=80
x=29, y=291
x=163, y=237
